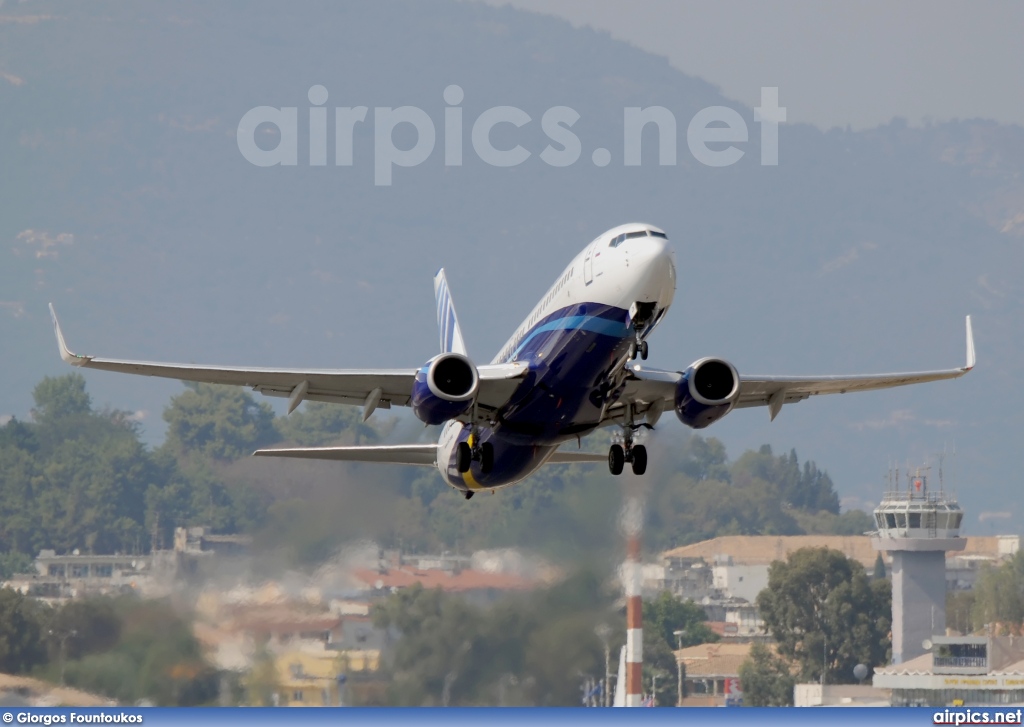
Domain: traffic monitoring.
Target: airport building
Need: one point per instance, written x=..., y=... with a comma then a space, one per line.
x=962, y=670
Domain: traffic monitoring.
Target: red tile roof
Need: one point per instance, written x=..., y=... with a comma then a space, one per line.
x=466, y=580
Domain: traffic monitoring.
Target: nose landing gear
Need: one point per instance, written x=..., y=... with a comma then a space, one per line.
x=638, y=347
x=641, y=315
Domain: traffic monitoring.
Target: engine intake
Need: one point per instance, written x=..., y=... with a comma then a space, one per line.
x=707, y=392
x=444, y=388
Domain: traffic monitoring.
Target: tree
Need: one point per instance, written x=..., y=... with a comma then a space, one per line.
x=21, y=643
x=667, y=614
x=825, y=614
x=319, y=423
x=222, y=422
x=83, y=627
x=999, y=594
x=878, y=572
x=766, y=679
x=60, y=397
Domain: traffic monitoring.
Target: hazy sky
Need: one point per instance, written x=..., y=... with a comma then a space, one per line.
x=834, y=63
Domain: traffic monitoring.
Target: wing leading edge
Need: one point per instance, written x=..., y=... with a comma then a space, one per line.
x=369, y=388
x=655, y=388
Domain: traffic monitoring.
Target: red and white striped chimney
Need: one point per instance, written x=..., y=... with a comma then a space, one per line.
x=632, y=524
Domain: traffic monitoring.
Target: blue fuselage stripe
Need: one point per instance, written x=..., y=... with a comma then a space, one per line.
x=589, y=323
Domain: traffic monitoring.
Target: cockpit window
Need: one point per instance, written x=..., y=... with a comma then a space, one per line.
x=619, y=239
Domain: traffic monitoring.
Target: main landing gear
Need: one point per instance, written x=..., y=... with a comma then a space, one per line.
x=466, y=455
x=635, y=454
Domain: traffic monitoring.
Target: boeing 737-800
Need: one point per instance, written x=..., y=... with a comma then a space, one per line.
x=570, y=368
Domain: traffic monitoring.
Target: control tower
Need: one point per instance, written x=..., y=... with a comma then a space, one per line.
x=916, y=527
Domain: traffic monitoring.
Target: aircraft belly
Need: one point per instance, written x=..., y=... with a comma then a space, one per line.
x=562, y=397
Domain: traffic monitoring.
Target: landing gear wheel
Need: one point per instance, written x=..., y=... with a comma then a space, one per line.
x=469, y=494
x=632, y=351
x=616, y=459
x=486, y=457
x=639, y=459
x=463, y=458
x=643, y=350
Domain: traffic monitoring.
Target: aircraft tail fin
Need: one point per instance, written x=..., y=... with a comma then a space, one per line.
x=447, y=322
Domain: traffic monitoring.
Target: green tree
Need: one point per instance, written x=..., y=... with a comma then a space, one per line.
x=825, y=614
x=319, y=423
x=60, y=397
x=21, y=626
x=83, y=627
x=999, y=594
x=221, y=422
x=766, y=679
x=878, y=572
x=666, y=614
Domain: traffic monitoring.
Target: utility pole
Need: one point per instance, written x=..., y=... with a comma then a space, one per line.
x=679, y=666
x=824, y=658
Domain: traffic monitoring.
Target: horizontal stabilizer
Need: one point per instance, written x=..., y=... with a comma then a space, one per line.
x=415, y=454
x=568, y=457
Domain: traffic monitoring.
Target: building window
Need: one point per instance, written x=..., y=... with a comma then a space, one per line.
x=297, y=695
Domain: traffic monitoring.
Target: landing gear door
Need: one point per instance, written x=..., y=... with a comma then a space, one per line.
x=588, y=266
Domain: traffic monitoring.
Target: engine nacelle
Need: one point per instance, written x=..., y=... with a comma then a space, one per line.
x=707, y=392
x=444, y=388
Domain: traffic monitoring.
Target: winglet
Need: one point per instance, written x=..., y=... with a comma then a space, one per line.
x=970, y=346
x=71, y=358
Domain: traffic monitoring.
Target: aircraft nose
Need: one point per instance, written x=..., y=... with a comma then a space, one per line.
x=652, y=251
x=653, y=264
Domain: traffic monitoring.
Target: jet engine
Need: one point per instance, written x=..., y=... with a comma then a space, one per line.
x=708, y=390
x=444, y=388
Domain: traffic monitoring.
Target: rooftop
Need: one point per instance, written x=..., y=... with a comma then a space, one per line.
x=763, y=549
x=465, y=580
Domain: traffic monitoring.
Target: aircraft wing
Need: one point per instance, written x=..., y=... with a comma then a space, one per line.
x=651, y=391
x=369, y=388
x=420, y=454
x=416, y=454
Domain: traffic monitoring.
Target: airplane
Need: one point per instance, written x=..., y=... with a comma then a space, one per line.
x=570, y=368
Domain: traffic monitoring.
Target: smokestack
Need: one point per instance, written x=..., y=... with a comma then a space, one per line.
x=632, y=524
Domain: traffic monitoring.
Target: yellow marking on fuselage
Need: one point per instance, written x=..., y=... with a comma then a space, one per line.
x=467, y=477
x=471, y=483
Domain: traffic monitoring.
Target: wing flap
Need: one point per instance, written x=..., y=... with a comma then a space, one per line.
x=562, y=456
x=410, y=454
